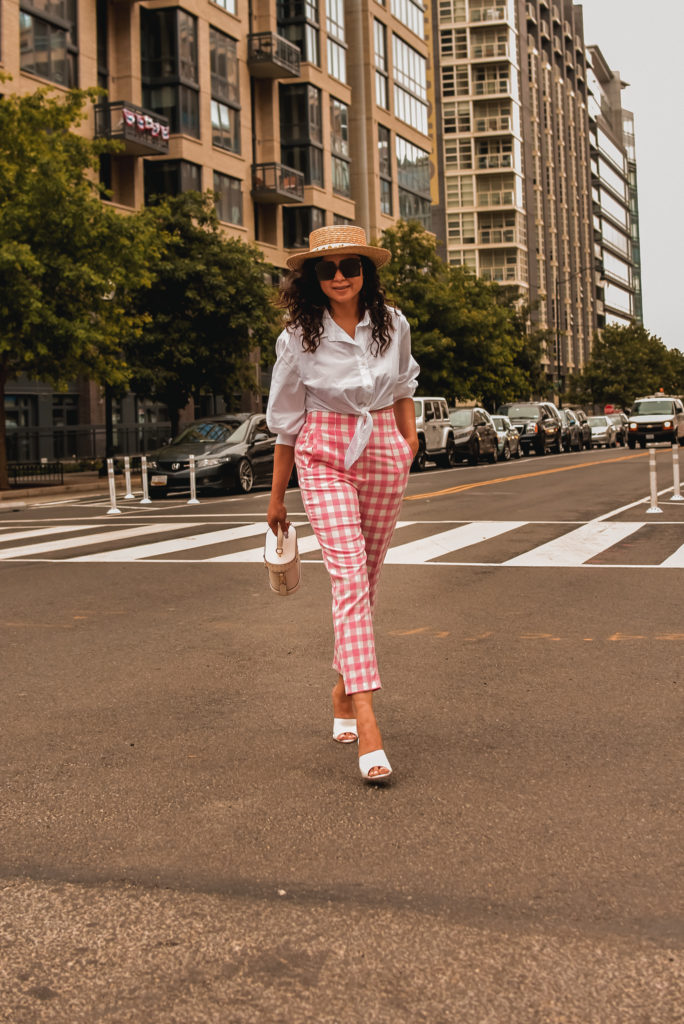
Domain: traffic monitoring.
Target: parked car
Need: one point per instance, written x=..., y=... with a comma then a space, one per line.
x=231, y=453
x=435, y=434
x=572, y=432
x=509, y=438
x=583, y=422
x=621, y=424
x=656, y=418
x=474, y=434
x=538, y=424
x=603, y=431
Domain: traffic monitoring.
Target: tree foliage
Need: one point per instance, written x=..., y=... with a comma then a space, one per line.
x=627, y=362
x=209, y=305
x=469, y=336
x=66, y=259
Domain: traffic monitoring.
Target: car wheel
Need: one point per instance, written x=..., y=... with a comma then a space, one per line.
x=631, y=444
x=418, y=463
x=449, y=459
x=506, y=453
x=157, y=493
x=681, y=441
x=494, y=455
x=519, y=451
x=245, y=476
x=474, y=453
x=540, y=449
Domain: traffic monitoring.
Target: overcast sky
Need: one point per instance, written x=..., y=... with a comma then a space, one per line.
x=643, y=41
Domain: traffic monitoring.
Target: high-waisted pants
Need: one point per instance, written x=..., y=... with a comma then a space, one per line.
x=353, y=513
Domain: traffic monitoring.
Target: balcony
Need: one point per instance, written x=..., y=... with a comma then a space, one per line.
x=567, y=29
x=555, y=13
x=142, y=132
x=492, y=87
x=277, y=183
x=532, y=13
x=271, y=56
x=495, y=12
x=493, y=124
x=484, y=50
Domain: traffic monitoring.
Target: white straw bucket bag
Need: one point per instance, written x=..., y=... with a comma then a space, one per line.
x=281, y=558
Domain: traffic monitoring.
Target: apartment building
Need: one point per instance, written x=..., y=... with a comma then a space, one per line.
x=614, y=194
x=297, y=113
x=519, y=161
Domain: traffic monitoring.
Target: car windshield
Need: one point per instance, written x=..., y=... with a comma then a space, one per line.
x=654, y=407
x=598, y=421
x=524, y=411
x=461, y=417
x=499, y=423
x=212, y=432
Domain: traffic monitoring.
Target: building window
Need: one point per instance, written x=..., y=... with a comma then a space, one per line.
x=337, y=47
x=168, y=45
x=47, y=40
x=410, y=85
x=339, y=146
x=385, y=169
x=227, y=5
x=410, y=13
x=298, y=21
x=298, y=223
x=171, y=177
x=381, y=90
x=228, y=198
x=225, y=91
x=413, y=178
x=301, y=125
x=339, y=219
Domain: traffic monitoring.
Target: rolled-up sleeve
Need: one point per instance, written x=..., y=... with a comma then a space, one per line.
x=286, y=409
x=407, y=377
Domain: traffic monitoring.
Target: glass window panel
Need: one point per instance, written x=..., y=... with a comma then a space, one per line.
x=386, y=197
x=411, y=14
x=227, y=5
x=298, y=223
x=384, y=159
x=229, y=198
x=225, y=126
x=339, y=127
x=413, y=167
x=341, y=177
x=187, y=46
x=225, y=83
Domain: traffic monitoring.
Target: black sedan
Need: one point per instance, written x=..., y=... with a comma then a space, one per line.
x=538, y=424
x=474, y=434
x=231, y=453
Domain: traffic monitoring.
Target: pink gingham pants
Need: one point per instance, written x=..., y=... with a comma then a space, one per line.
x=353, y=513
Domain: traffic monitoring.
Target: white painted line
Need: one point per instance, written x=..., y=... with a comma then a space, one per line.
x=305, y=545
x=51, y=530
x=81, y=542
x=164, y=547
x=626, y=508
x=675, y=560
x=578, y=546
x=418, y=551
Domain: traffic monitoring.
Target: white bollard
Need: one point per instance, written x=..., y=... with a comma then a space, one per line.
x=676, y=493
x=127, y=477
x=193, y=483
x=145, y=500
x=113, y=510
x=654, y=482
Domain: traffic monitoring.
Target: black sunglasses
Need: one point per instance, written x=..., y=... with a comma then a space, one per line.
x=349, y=267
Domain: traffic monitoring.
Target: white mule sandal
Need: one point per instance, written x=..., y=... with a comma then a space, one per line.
x=342, y=726
x=376, y=759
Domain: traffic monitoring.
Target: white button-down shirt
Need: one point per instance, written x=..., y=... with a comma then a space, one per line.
x=342, y=375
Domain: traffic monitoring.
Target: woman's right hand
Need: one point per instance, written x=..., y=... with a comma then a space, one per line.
x=277, y=516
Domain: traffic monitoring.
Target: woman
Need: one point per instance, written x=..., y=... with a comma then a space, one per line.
x=341, y=405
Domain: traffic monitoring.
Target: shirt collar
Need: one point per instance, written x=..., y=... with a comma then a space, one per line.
x=335, y=328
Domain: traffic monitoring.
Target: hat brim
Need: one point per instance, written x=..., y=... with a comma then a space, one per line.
x=377, y=256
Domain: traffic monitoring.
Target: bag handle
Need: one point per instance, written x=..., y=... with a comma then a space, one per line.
x=279, y=542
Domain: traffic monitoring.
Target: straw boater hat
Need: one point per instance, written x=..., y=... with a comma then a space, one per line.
x=339, y=240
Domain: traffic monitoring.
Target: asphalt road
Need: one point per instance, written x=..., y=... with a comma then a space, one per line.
x=181, y=841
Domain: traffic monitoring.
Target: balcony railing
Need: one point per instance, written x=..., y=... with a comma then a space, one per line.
x=493, y=124
x=494, y=161
x=491, y=87
x=271, y=56
x=493, y=13
x=489, y=50
x=142, y=132
x=531, y=13
x=277, y=183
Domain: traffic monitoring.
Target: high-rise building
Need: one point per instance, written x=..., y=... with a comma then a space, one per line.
x=517, y=169
x=297, y=113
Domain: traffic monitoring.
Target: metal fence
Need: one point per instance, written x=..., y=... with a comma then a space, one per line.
x=34, y=474
x=31, y=444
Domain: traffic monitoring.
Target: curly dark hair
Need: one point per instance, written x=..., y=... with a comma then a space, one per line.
x=303, y=299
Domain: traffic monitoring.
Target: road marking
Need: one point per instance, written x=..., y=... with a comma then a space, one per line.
x=675, y=561
x=306, y=545
x=419, y=551
x=578, y=546
x=8, y=534
x=164, y=547
x=520, y=476
x=27, y=550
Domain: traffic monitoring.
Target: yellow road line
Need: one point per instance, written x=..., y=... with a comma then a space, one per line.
x=521, y=476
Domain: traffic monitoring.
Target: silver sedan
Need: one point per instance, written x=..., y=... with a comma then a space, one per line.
x=509, y=438
x=603, y=431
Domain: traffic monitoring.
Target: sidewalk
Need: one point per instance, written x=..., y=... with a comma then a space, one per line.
x=75, y=485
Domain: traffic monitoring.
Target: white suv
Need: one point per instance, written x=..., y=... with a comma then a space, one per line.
x=435, y=433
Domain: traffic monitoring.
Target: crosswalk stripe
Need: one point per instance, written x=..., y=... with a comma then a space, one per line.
x=164, y=547
x=305, y=545
x=675, y=561
x=418, y=551
x=28, y=550
x=42, y=532
x=578, y=546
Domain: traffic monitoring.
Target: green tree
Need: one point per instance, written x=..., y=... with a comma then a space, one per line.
x=209, y=306
x=469, y=335
x=627, y=361
x=66, y=260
